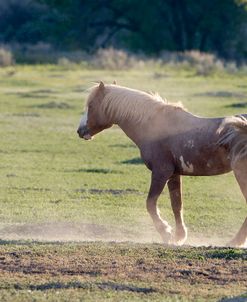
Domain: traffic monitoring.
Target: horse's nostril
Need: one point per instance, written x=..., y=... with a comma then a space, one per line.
x=78, y=131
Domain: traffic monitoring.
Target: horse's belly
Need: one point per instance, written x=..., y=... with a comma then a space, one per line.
x=205, y=171
x=204, y=165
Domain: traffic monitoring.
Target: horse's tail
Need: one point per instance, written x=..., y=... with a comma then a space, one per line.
x=233, y=135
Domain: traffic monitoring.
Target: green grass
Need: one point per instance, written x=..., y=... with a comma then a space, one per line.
x=55, y=186
x=49, y=175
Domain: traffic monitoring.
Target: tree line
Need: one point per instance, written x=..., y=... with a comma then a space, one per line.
x=140, y=26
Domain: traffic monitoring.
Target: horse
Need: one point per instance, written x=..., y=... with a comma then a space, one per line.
x=173, y=143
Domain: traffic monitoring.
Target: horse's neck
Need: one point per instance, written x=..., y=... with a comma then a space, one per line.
x=130, y=126
x=163, y=125
x=133, y=131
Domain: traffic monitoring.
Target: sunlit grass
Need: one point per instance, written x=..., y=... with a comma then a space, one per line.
x=49, y=175
x=54, y=186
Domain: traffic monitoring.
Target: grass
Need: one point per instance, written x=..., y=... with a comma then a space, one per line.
x=55, y=186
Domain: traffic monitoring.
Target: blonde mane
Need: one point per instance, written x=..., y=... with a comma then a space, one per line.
x=131, y=104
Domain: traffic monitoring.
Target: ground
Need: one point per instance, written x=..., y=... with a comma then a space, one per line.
x=73, y=222
x=120, y=272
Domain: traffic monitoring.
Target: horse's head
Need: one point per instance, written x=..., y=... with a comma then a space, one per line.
x=94, y=119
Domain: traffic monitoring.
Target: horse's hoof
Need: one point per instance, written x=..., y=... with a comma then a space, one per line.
x=176, y=243
x=179, y=242
x=166, y=237
x=180, y=237
x=237, y=243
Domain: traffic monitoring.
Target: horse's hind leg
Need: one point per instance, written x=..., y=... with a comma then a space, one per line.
x=240, y=171
x=174, y=186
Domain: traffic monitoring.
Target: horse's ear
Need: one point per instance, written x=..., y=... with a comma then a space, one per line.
x=114, y=82
x=101, y=86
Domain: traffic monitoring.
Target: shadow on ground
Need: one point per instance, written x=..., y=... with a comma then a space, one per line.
x=86, y=285
x=242, y=298
x=133, y=161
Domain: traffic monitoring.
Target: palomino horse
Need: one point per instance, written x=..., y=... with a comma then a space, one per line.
x=172, y=142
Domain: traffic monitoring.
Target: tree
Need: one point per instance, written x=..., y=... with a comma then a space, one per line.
x=139, y=26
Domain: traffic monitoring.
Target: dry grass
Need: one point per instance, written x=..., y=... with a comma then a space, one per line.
x=203, y=64
x=136, y=272
x=6, y=57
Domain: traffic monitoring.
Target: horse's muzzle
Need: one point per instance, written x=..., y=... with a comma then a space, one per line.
x=84, y=133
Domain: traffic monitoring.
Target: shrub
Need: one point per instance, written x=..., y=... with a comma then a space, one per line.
x=231, y=67
x=6, y=58
x=203, y=63
x=113, y=59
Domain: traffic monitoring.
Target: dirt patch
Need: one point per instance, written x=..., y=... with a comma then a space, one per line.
x=238, y=105
x=27, y=114
x=41, y=93
x=53, y=105
x=159, y=75
x=96, y=170
x=122, y=146
x=222, y=94
x=26, y=189
x=150, y=264
x=235, y=299
x=110, y=191
x=84, y=285
x=133, y=161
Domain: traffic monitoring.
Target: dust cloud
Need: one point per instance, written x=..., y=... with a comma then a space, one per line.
x=81, y=232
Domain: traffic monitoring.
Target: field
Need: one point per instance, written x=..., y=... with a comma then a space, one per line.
x=73, y=222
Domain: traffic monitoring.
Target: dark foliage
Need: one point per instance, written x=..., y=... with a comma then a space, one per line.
x=140, y=26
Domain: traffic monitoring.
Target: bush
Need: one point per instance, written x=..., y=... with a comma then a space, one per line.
x=6, y=57
x=203, y=63
x=113, y=59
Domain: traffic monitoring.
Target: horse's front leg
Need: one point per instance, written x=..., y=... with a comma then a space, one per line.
x=158, y=183
x=174, y=186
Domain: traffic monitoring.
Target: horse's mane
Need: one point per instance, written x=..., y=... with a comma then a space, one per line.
x=126, y=103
